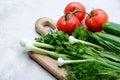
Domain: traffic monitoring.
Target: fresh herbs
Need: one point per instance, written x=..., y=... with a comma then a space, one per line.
x=107, y=41
x=87, y=61
x=54, y=38
x=90, y=71
x=80, y=33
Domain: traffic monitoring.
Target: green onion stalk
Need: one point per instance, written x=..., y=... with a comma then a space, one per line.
x=38, y=48
x=90, y=54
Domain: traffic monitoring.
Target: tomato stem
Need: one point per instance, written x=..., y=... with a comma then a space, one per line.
x=67, y=16
x=75, y=11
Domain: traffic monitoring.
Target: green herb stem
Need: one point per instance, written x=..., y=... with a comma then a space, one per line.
x=78, y=61
x=42, y=45
x=74, y=40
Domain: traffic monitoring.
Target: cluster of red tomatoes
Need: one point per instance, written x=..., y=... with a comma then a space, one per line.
x=75, y=12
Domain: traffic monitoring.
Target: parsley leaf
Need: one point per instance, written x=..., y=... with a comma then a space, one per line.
x=80, y=33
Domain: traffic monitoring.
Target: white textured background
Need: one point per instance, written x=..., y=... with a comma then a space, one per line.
x=17, y=19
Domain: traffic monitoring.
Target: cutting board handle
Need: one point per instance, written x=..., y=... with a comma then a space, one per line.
x=42, y=22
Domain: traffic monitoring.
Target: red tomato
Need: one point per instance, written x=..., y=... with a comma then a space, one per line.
x=95, y=20
x=67, y=25
x=76, y=6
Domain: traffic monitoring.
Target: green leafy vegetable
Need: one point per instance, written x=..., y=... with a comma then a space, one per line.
x=108, y=45
x=54, y=38
x=86, y=61
x=90, y=71
x=80, y=33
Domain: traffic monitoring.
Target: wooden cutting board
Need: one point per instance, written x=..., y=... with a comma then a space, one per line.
x=49, y=64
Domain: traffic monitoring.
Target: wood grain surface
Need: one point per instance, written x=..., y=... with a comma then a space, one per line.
x=49, y=64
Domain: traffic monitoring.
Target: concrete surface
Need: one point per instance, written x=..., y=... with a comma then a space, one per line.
x=17, y=19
